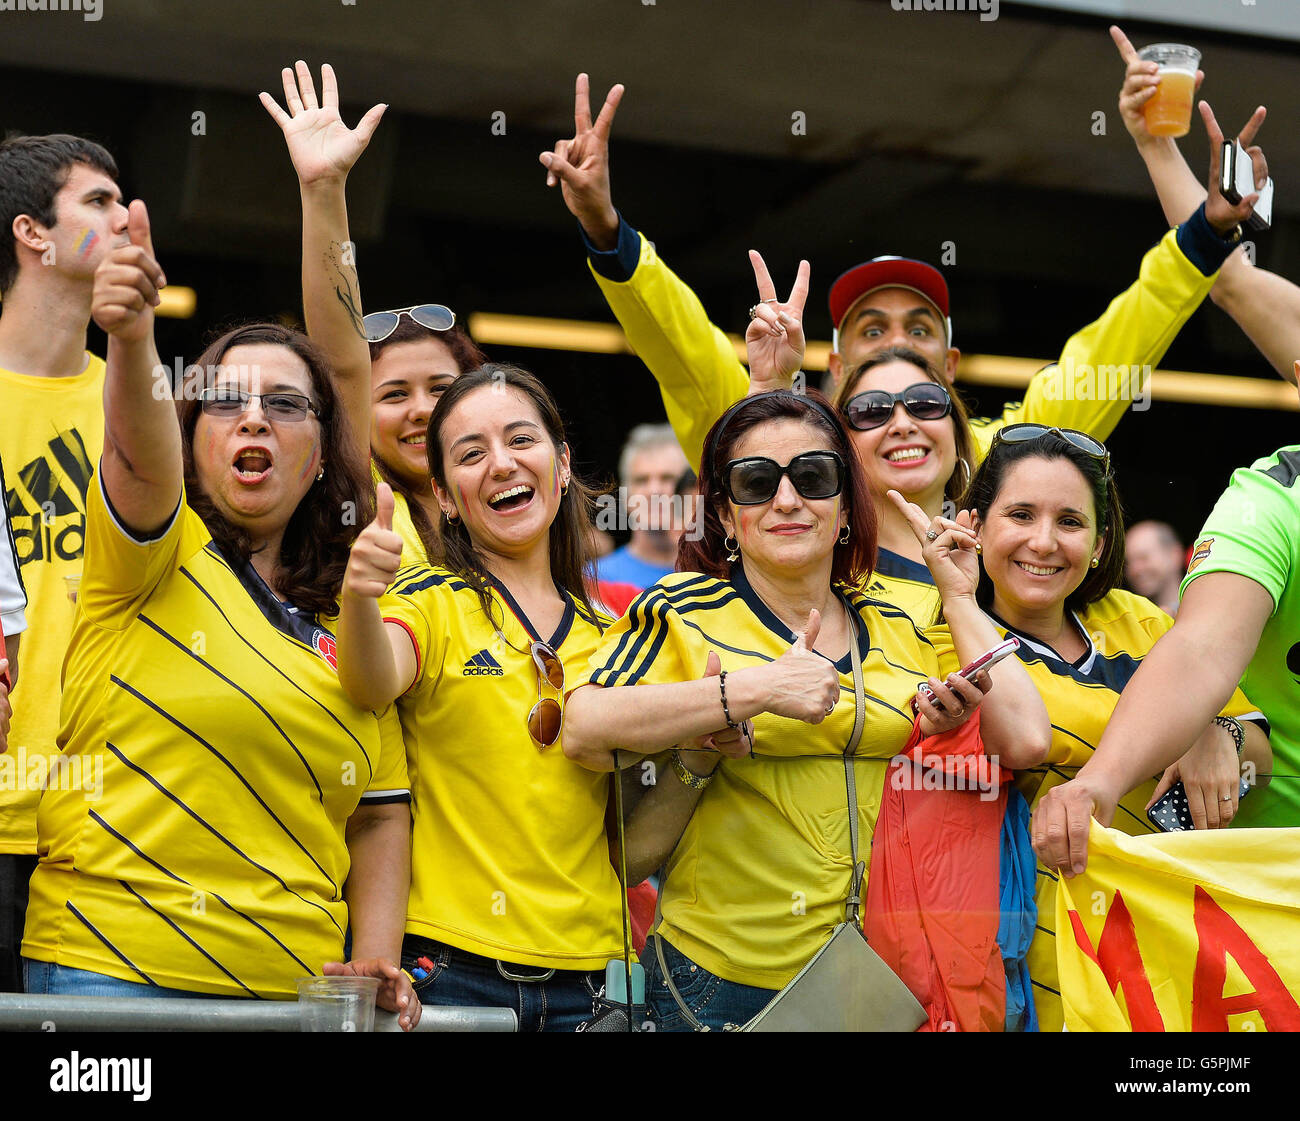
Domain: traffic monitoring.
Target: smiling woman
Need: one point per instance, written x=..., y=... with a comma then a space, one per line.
x=1052, y=555
x=479, y=652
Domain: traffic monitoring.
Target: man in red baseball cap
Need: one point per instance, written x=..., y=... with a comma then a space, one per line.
x=888, y=301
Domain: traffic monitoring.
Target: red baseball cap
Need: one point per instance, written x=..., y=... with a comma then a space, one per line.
x=889, y=272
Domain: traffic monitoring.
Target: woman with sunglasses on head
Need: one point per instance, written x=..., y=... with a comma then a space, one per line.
x=513, y=900
x=1051, y=541
x=753, y=647
x=391, y=366
x=248, y=812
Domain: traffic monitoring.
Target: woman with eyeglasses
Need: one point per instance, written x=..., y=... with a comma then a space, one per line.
x=514, y=901
x=1050, y=534
x=234, y=812
x=750, y=648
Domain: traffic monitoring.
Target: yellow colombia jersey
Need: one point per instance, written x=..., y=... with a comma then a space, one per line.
x=51, y=436
x=760, y=876
x=413, y=550
x=193, y=836
x=509, y=853
x=907, y=584
x=1080, y=697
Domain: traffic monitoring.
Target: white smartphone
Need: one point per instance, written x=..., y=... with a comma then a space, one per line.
x=1237, y=180
x=985, y=661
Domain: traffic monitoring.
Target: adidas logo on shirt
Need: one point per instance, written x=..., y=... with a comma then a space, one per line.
x=483, y=665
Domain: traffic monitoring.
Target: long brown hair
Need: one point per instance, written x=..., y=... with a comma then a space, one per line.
x=467, y=356
x=570, y=532
x=319, y=535
x=959, y=480
x=854, y=561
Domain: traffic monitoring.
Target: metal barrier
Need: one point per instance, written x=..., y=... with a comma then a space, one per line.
x=24, y=1012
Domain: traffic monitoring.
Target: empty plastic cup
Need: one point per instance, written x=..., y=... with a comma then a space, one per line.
x=337, y=1003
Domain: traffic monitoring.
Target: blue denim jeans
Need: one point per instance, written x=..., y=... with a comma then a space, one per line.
x=716, y=1003
x=45, y=978
x=463, y=980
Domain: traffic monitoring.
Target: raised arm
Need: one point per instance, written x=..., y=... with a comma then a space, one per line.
x=665, y=323
x=323, y=150
x=376, y=660
x=1182, y=683
x=141, y=469
x=1264, y=305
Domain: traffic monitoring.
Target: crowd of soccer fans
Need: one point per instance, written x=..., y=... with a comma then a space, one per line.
x=318, y=659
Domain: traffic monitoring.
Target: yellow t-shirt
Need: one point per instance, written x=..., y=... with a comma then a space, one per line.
x=760, y=877
x=509, y=855
x=51, y=436
x=413, y=550
x=1080, y=697
x=193, y=835
x=907, y=584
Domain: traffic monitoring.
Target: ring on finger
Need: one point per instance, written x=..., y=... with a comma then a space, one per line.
x=753, y=312
x=931, y=534
x=769, y=300
x=1227, y=798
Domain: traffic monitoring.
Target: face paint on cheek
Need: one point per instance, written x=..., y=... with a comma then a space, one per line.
x=306, y=463
x=462, y=501
x=86, y=241
x=555, y=477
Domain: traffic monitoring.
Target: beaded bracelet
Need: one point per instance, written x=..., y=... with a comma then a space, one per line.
x=726, y=712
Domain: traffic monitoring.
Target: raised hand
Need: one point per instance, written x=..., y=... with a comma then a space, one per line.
x=321, y=146
x=800, y=684
x=377, y=552
x=1223, y=215
x=1140, y=82
x=127, y=282
x=581, y=166
x=775, y=339
x=947, y=546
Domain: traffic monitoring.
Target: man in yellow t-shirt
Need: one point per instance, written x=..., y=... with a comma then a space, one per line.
x=61, y=211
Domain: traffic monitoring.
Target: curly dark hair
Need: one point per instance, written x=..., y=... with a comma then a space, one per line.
x=854, y=561
x=317, y=540
x=570, y=533
x=468, y=356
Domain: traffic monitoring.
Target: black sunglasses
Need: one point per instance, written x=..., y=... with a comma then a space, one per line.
x=1023, y=433
x=379, y=325
x=756, y=479
x=926, y=400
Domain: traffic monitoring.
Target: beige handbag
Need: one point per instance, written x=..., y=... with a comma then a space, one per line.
x=845, y=986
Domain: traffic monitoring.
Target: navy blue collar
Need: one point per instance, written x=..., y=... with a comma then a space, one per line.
x=898, y=567
x=566, y=620
x=767, y=617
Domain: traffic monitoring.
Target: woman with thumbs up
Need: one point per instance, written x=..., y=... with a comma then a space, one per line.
x=243, y=812
x=752, y=648
x=513, y=899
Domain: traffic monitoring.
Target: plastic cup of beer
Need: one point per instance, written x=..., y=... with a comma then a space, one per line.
x=1169, y=110
x=337, y=1003
x=73, y=583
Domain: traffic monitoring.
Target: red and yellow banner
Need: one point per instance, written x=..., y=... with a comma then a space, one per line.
x=1196, y=931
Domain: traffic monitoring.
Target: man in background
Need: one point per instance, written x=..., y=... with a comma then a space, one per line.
x=1155, y=560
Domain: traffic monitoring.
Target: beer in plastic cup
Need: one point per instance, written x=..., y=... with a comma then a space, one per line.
x=1169, y=110
x=73, y=583
x=337, y=1003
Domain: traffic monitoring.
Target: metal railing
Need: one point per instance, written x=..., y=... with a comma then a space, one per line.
x=25, y=1012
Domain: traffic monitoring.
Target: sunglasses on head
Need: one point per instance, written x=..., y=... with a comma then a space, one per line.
x=1023, y=433
x=546, y=717
x=926, y=400
x=378, y=325
x=756, y=479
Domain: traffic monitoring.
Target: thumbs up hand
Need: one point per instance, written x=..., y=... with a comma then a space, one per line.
x=127, y=282
x=376, y=553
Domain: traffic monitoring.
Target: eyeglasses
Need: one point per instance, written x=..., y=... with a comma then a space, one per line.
x=1023, y=433
x=756, y=479
x=379, y=325
x=926, y=400
x=546, y=717
x=217, y=400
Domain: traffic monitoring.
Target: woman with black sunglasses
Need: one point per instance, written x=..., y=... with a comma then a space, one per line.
x=1050, y=534
x=750, y=648
x=514, y=901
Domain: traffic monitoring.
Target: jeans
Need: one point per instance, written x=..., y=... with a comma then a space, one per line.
x=716, y=1003
x=464, y=980
x=45, y=978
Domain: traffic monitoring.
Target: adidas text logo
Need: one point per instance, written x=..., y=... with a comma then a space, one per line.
x=483, y=665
